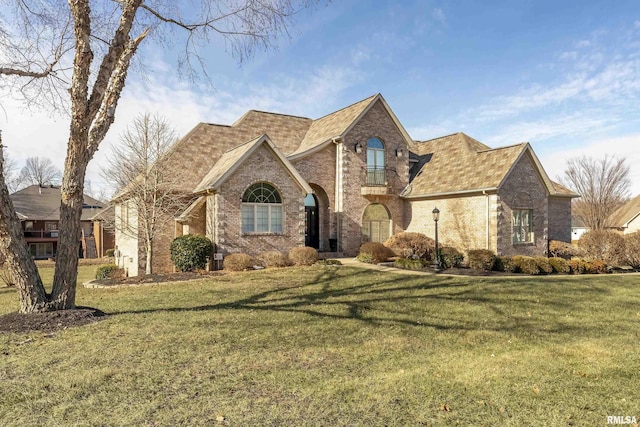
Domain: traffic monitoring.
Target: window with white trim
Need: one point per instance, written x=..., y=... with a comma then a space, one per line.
x=522, y=226
x=261, y=209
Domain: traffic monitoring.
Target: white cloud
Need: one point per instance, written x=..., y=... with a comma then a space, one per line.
x=439, y=16
x=626, y=147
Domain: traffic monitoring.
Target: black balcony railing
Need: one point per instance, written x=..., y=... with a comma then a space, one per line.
x=376, y=176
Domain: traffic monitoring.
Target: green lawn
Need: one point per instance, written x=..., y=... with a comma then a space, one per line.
x=334, y=346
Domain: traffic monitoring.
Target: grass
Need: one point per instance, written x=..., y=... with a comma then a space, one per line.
x=334, y=346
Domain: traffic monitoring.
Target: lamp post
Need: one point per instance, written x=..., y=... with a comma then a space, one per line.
x=436, y=264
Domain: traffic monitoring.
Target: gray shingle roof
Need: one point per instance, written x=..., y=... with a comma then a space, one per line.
x=43, y=204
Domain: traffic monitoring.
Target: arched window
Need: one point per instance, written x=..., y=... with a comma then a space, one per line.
x=375, y=162
x=261, y=209
x=376, y=223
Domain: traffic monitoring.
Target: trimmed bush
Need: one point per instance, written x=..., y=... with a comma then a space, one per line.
x=506, y=264
x=410, y=264
x=632, y=249
x=273, y=259
x=329, y=262
x=526, y=264
x=109, y=252
x=450, y=257
x=190, y=252
x=374, y=252
x=238, y=262
x=411, y=245
x=605, y=245
x=481, y=259
x=107, y=271
x=303, y=255
x=543, y=264
x=563, y=249
x=597, y=266
x=559, y=265
x=577, y=265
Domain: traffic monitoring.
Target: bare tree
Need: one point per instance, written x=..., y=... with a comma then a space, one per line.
x=603, y=186
x=10, y=171
x=78, y=54
x=136, y=167
x=39, y=171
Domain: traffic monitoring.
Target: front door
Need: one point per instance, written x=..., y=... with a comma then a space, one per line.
x=312, y=231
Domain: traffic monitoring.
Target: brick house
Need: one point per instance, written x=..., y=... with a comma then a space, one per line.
x=38, y=208
x=273, y=181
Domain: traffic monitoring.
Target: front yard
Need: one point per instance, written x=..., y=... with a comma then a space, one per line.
x=334, y=346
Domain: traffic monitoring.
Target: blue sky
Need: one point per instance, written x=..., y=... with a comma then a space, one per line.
x=562, y=75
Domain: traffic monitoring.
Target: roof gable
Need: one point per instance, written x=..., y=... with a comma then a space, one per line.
x=626, y=213
x=42, y=203
x=232, y=159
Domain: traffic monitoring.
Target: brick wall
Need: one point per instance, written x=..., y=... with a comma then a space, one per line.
x=523, y=188
x=375, y=123
x=560, y=219
x=226, y=229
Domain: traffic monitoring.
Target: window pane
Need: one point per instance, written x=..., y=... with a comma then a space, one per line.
x=276, y=219
x=248, y=219
x=371, y=158
x=380, y=158
x=366, y=231
x=384, y=230
x=262, y=218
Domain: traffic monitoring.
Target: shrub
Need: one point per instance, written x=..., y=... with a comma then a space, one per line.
x=411, y=245
x=597, y=266
x=450, y=257
x=563, y=249
x=481, y=259
x=303, y=255
x=559, y=265
x=632, y=249
x=410, y=264
x=238, y=262
x=106, y=271
x=526, y=264
x=577, y=265
x=506, y=264
x=605, y=245
x=374, y=252
x=109, y=252
x=190, y=252
x=543, y=264
x=273, y=259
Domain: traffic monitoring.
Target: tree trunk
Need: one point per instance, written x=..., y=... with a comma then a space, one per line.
x=148, y=265
x=63, y=294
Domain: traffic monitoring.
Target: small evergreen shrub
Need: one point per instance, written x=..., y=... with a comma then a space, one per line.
x=506, y=264
x=190, y=252
x=481, y=259
x=526, y=264
x=411, y=245
x=273, y=259
x=109, y=252
x=559, y=265
x=107, y=271
x=303, y=255
x=632, y=249
x=238, y=262
x=605, y=245
x=410, y=264
x=564, y=250
x=543, y=264
x=450, y=257
x=374, y=252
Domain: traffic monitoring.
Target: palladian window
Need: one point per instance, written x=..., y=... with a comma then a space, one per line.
x=261, y=209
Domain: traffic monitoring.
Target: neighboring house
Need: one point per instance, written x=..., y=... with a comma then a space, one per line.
x=38, y=208
x=578, y=228
x=273, y=181
x=627, y=218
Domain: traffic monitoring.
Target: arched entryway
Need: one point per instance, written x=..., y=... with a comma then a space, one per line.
x=376, y=223
x=312, y=231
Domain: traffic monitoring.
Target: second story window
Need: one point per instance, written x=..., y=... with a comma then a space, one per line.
x=375, y=162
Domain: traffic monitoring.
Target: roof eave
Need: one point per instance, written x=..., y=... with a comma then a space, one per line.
x=451, y=193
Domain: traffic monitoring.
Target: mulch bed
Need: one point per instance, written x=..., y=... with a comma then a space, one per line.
x=155, y=278
x=50, y=321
